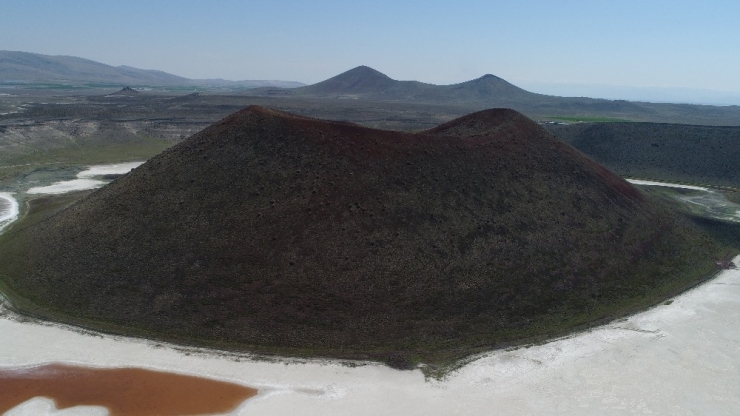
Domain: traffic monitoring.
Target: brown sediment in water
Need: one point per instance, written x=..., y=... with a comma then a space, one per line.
x=124, y=391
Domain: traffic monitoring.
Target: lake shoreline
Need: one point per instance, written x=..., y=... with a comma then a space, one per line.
x=617, y=354
x=11, y=213
x=122, y=391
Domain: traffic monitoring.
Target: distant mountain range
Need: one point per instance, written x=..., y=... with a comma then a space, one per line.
x=365, y=83
x=24, y=67
x=490, y=91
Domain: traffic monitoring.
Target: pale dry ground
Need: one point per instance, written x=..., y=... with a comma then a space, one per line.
x=666, y=184
x=84, y=179
x=8, y=209
x=681, y=358
x=710, y=202
x=112, y=169
x=64, y=187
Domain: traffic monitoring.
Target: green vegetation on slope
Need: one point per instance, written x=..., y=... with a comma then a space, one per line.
x=733, y=196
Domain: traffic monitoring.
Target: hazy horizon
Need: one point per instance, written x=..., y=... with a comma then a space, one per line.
x=541, y=46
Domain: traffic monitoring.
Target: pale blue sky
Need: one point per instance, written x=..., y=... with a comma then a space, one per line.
x=677, y=43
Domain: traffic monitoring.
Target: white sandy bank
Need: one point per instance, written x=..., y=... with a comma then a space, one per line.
x=114, y=169
x=84, y=179
x=682, y=358
x=10, y=213
x=666, y=184
x=67, y=186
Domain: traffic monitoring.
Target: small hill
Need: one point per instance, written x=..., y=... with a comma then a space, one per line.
x=282, y=234
x=126, y=91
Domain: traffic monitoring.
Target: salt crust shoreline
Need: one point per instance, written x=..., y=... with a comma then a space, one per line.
x=666, y=184
x=84, y=179
x=11, y=214
x=677, y=358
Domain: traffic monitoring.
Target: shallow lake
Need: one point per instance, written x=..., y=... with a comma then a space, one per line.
x=118, y=391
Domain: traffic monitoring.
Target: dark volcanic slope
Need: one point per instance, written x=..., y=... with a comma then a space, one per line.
x=286, y=234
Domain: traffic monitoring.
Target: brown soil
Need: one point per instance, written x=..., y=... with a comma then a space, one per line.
x=124, y=391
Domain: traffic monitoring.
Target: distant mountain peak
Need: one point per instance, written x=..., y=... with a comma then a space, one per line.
x=366, y=82
x=358, y=80
x=364, y=72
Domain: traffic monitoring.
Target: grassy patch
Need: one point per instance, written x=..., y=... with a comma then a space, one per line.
x=733, y=196
x=11, y=168
x=96, y=153
x=573, y=119
x=727, y=233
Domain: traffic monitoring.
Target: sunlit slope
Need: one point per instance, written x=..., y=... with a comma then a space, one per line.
x=284, y=234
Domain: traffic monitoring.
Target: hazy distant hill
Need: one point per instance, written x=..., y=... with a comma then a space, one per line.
x=489, y=91
x=284, y=234
x=365, y=82
x=32, y=67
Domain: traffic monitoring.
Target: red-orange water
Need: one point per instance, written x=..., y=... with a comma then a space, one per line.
x=124, y=391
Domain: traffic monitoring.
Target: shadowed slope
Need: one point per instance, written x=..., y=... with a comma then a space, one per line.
x=669, y=152
x=285, y=234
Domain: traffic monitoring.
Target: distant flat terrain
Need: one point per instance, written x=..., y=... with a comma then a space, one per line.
x=28, y=73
